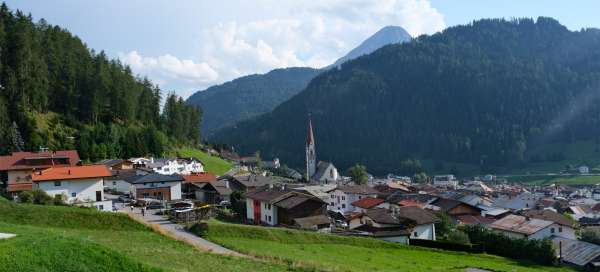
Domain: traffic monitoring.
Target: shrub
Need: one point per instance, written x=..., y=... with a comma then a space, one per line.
x=41, y=197
x=58, y=200
x=540, y=251
x=26, y=197
x=591, y=236
x=458, y=237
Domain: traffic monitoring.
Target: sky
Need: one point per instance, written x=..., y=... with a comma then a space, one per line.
x=188, y=45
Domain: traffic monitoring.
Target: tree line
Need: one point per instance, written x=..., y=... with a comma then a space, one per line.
x=57, y=93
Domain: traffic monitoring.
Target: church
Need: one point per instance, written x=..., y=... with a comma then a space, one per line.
x=321, y=172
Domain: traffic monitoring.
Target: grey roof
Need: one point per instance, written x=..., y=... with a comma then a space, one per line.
x=265, y=193
x=110, y=162
x=449, y=204
x=399, y=196
x=357, y=189
x=311, y=221
x=292, y=202
x=576, y=252
x=520, y=224
x=153, y=178
x=321, y=170
x=253, y=180
x=123, y=174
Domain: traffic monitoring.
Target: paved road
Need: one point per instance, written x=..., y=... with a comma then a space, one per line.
x=180, y=233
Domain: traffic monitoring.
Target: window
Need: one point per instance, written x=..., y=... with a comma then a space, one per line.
x=359, y=197
x=415, y=234
x=551, y=230
x=559, y=229
x=73, y=194
x=331, y=204
x=332, y=196
x=101, y=207
x=269, y=218
x=98, y=195
x=114, y=183
x=343, y=198
x=343, y=206
x=57, y=183
x=162, y=182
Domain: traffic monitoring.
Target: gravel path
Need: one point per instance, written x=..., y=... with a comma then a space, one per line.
x=178, y=232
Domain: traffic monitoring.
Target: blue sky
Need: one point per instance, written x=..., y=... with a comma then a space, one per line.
x=188, y=45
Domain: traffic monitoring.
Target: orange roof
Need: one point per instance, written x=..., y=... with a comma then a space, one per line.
x=74, y=172
x=367, y=203
x=24, y=160
x=199, y=178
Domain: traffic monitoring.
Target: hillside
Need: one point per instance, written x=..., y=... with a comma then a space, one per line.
x=76, y=239
x=338, y=253
x=212, y=164
x=484, y=95
x=57, y=93
x=250, y=96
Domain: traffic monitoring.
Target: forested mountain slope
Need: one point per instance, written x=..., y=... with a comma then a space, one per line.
x=483, y=94
x=57, y=93
x=249, y=96
x=253, y=95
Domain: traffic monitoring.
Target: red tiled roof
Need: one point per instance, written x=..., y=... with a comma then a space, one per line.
x=367, y=203
x=17, y=161
x=410, y=203
x=199, y=178
x=74, y=172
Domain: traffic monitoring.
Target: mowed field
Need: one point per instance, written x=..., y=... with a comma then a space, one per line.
x=336, y=253
x=52, y=238
x=212, y=164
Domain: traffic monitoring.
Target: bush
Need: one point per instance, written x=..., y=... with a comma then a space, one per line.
x=199, y=229
x=58, y=200
x=41, y=197
x=540, y=251
x=26, y=197
x=591, y=236
x=458, y=237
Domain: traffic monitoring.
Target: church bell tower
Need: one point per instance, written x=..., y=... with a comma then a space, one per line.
x=311, y=156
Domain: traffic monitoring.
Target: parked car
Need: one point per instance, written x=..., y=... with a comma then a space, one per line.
x=341, y=224
x=154, y=206
x=225, y=203
x=124, y=199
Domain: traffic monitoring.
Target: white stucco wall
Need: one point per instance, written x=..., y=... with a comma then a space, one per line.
x=342, y=201
x=268, y=213
x=84, y=189
x=249, y=209
x=118, y=185
x=424, y=231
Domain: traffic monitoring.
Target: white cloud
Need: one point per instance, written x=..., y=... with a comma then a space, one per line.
x=305, y=34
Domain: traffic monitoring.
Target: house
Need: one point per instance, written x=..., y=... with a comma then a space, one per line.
x=80, y=185
x=157, y=186
x=512, y=201
x=566, y=227
x=445, y=181
x=517, y=226
x=140, y=162
x=248, y=182
x=366, y=203
x=19, y=166
x=577, y=253
x=341, y=198
x=280, y=205
x=454, y=207
x=583, y=169
x=274, y=164
x=116, y=164
x=212, y=192
x=326, y=173
x=192, y=181
x=396, y=226
x=118, y=182
x=175, y=166
x=401, y=199
x=315, y=222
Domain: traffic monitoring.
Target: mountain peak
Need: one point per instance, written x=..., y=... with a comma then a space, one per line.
x=386, y=35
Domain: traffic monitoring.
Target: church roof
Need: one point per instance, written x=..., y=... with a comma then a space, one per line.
x=322, y=170
x=310, y=139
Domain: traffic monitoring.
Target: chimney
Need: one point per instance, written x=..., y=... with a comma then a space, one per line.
x=270, y=185
x=69, y=171
x=227, y=183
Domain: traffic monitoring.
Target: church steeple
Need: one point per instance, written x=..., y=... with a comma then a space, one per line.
x=311, y=156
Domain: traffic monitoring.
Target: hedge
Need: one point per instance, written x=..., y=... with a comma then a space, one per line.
x=540, y=251
x=471, y=248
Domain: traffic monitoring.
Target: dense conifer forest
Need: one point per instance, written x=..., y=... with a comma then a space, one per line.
x=57, y=93
x=485, y=94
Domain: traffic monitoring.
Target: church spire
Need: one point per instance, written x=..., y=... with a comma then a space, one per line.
x=311, y=157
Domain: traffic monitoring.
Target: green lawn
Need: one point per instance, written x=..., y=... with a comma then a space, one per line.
x=76, y=239
x=212, y=164
x=336, y=253
x=547, y=180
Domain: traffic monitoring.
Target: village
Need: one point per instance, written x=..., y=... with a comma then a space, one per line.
x=393, y=208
